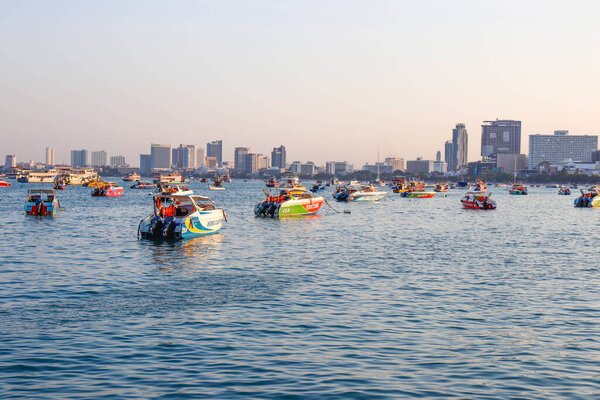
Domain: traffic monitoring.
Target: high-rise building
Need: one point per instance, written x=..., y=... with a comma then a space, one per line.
x=278, y=157
x=99, y=158
x=177, y=157
x=145, y=163
x=397, y=163
x=215, y=149
x=188, y=157
x=500, y=136
x=161, y=156
x=450, y=155
x=79, y=158
x=117, y=162
x=460, y=140
x=308, y=169
x=239, y=159
x=438, y=156
x=560, y=147
x=199, y=157
x=456, y=151
x=509, y=162
x=252, y=163
x=10, y=161
x=50, y=156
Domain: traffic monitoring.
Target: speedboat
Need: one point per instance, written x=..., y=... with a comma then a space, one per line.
x=3, y=183
x=478, y=201
x=518, y=189
x=132, y=177
x=317, y=187
x=168, y=178
x=288, y=203
x=588, y=198
x=143, y=185
x=272, y=182
x=441, y=187
x=178, y=216
x=41, y=202
x=109, y=189
x=479, y=186
x=174, y=189
x=418, y=194
x=565, y=191
x=96, y=183
x=358, y=193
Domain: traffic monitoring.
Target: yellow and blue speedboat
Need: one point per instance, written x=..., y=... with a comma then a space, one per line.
x=180, y=216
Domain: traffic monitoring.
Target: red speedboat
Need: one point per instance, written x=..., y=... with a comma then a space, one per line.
x=108, y=190
x=4, y=184
x=478, y=201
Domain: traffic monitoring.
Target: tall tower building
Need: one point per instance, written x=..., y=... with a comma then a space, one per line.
x=161, y=156
x=450, y=155
x=240, y=154
x=278, y=157
x=10, y=161
x=460, y=140
x=145, y=163
x=199, y=157
x=500, y=136
x=215, y=149
x=79, y=158
x=49, y=156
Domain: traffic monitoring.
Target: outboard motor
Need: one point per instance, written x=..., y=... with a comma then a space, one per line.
x=156, y=228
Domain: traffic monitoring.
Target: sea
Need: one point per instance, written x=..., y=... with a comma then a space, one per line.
x=402, y=298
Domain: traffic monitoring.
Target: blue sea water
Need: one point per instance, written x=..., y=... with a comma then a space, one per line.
x=399, y=299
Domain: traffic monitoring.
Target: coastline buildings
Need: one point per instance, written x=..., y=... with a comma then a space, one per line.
x=10, y=161
x=145, y=164
x=397, y=163
x=79, y=158
x=117, y=162
x=456, y=151
x=419, y=166
x=278, y=157
x=215, y=149
x=239, y=159
x=50, y=156
x=507, y=162
x=500, y=136
x=99, y=158
x=561, y=147
x=185, y=156
x=339, y=167
x=160, y=155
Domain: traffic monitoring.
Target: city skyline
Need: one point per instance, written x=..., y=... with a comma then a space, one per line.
x=392, y=77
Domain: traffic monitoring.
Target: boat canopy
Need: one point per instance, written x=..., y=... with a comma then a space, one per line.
x=40, y=191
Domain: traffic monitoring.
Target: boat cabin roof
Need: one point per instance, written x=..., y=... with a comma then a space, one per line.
x=183, y=197
x=40, y=191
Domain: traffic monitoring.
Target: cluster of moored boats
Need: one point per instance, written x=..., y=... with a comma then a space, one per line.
x=178, y=213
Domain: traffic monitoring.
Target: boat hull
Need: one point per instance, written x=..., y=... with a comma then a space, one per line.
x=4, y=184
x=110, y=192
x=419, y=195
x=474, y=205
x=294, y=208
x=361, y=197
x=197, y=224
x=211, y=187
x=44, y=209
x=581, y=202
x=517, y=192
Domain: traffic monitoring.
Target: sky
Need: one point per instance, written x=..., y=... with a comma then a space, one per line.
x=331, y=80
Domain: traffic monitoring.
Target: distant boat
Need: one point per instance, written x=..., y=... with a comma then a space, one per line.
x=211, y=187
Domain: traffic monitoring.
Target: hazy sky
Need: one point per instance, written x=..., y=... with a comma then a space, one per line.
x=331, y=80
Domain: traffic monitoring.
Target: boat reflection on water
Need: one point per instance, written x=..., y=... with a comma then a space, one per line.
x=172, y=255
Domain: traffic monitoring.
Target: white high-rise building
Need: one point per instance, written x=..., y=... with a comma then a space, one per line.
x=10, y=161
x=99, y=158
x=49, y=156
x=560, y=147
x=117, y=161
